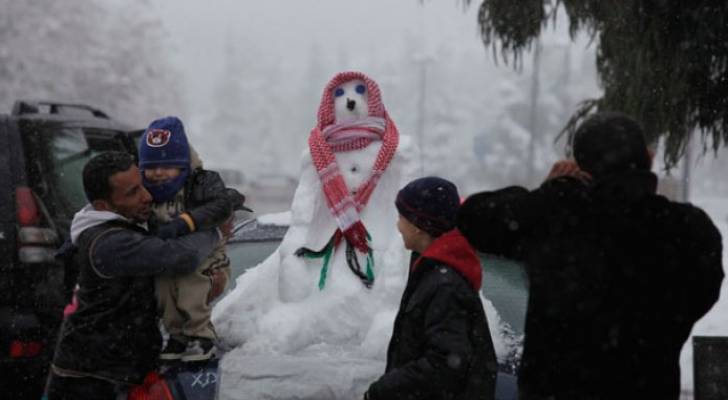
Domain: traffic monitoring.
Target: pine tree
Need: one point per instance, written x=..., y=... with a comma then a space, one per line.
x=664, y=62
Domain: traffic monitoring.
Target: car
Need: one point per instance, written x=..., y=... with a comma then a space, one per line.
x=43, y=148
x=253, y=240
x=505, y=285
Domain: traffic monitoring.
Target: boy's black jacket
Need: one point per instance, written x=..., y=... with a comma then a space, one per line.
x=441, y=346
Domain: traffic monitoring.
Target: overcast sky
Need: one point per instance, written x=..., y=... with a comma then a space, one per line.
x=289, y=29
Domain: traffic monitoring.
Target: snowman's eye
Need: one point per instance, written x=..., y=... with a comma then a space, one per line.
x=361, y=89
x=339, y=92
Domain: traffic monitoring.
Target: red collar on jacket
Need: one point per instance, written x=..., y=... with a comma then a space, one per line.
x=452, y=249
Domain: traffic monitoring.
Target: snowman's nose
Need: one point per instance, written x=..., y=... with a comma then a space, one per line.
x=350, y=104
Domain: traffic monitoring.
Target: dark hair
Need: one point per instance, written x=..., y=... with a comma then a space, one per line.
x=610, y=142
x=98, y=171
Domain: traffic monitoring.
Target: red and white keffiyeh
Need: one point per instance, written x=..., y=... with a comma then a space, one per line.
x=328, y=138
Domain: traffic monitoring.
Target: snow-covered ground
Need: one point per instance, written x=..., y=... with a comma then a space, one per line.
x=715, y=322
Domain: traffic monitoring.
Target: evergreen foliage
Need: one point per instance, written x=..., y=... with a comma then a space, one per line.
x=664, y=62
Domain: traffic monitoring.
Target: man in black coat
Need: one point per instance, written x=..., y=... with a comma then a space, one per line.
x=441, y=347
x=618, y=274
x=112, y=341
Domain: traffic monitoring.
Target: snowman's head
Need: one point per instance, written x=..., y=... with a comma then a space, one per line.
x=351, y=101
x=348, y=96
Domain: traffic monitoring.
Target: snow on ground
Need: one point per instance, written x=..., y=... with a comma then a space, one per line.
x=715, y=322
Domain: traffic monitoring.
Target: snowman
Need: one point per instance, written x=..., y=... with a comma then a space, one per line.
x=356, y=157
x=326, y=298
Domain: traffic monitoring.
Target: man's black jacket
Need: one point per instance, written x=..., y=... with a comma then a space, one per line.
x=441, y=346
x=618, y=276
x=114, y=333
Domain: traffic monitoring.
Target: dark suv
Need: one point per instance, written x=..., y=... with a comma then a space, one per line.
x=43, y=148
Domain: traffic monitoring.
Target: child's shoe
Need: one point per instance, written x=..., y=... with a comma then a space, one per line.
x=174, y=350
x=198, y=349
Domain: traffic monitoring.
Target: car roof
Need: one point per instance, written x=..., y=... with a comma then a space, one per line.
x=70, y=115
x=76, y=122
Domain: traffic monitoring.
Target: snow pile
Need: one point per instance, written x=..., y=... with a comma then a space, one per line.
x=279, y=219
x=289, y=339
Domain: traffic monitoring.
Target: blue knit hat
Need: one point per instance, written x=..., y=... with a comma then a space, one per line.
x=429, y=203
x=164, y=143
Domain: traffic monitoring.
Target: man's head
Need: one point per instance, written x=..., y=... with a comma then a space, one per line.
x=610, y=142
x=427, y=206
x=113, y=183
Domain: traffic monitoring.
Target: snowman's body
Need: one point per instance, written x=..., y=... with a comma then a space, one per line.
x=312, y=225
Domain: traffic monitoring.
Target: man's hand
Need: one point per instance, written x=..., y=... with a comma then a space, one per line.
x=175, y=228
x=568, y=168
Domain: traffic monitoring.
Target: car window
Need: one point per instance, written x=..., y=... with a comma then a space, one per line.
x=60, y=158
x=70, y=149
x=69, y=152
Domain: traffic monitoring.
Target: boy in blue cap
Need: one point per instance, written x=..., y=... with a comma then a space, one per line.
x=185, y=196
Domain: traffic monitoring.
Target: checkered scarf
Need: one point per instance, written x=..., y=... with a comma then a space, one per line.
x=328, y=138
